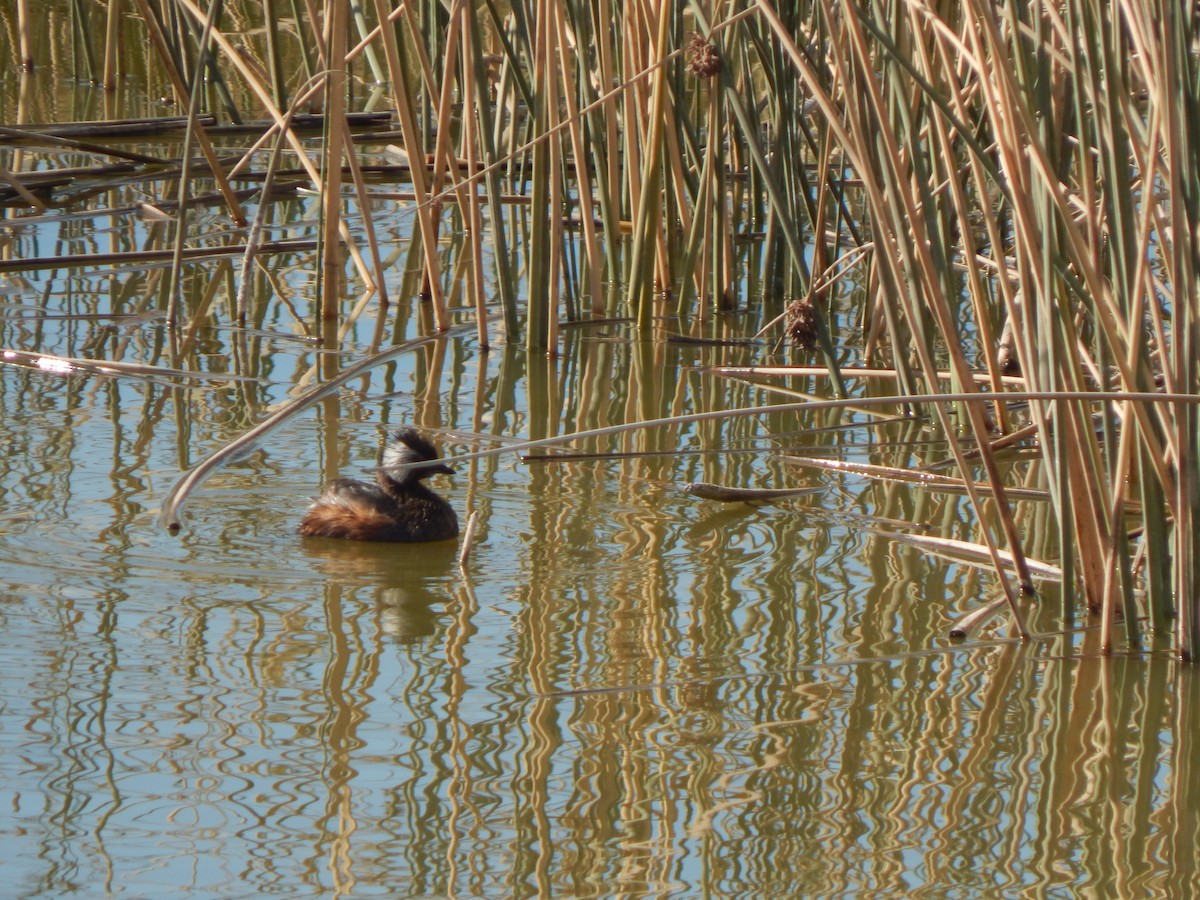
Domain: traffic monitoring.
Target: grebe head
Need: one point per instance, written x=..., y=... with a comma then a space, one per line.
x=405, y=449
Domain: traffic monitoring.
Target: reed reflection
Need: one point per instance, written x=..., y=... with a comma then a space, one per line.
x=628, y=689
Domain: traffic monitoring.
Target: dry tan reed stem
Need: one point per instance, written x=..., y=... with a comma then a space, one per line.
x=416, y=154
x=473, y=211
x=24, y=35
x=334, y=151
x=882, y=205
x=111, y=41
x=554, y=110
x=587, y=213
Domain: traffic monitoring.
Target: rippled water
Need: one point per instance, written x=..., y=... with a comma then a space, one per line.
x=629, y=691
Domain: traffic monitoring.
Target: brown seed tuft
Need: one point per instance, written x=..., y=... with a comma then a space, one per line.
x=703, y=59
x=801, y=323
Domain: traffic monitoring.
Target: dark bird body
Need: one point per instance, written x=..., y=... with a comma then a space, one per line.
x=398, y=507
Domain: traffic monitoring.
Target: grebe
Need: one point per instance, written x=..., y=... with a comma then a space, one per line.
x=398, y=508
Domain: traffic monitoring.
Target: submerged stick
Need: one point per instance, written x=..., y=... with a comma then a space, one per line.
x=468, y=539
x=706, y=491
x=14, y=135
x=125, y=128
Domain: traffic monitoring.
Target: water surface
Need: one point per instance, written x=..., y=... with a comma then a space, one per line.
x=628, y=691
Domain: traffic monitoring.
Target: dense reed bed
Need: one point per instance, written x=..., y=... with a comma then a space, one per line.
x=978, y=198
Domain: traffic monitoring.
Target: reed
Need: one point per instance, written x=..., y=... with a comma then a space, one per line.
x=1011, y=186
x=1030, y=140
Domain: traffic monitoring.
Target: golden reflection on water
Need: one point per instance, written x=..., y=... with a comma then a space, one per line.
x=301, y=744
x=629, y=690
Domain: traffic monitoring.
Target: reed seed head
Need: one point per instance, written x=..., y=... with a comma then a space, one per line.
x=801, y=323
x=703, y=61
